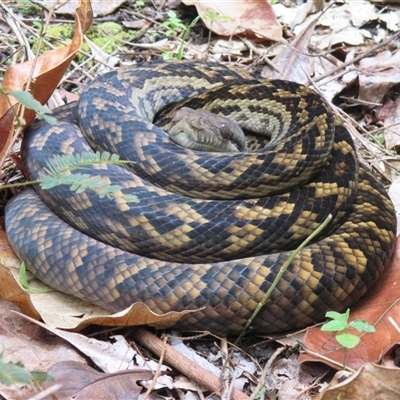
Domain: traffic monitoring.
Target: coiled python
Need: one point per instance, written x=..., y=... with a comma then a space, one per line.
x=209, y=231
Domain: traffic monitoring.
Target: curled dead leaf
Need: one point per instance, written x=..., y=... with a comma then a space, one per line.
x=250, y=17
x=91, y=384
x=370, y=382
x=43, y=74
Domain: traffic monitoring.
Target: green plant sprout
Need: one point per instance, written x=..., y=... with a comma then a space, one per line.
x=167, y=55
x=15, y=373
x=339, y=324
x=173, y=24
x=212, y=17
x=139, y=3
x=179, y=54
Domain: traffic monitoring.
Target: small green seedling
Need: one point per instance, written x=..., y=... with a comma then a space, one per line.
x=139, y=3
x=173, y=24
x=213, y=17
x=339, y=324
x=15, y=373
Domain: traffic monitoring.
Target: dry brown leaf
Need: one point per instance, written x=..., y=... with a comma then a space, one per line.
x=308, y=8
x=240, y=16
x=343, y=23
x=48, y=69
x=381, y=308
x=392, y=125
x=10, y=289
x=27, y=343
x=377, y=75
x=87, y=383
x=100, y=7
x=293, y=63
x=291, y=379
x=370, y=382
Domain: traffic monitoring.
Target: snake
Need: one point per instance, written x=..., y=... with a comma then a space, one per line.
x=203, y=231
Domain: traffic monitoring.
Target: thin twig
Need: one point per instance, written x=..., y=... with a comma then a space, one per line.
x=158, y=372
x=46, y=393
x=187, y=367
x=359, y=57
x=261, y=380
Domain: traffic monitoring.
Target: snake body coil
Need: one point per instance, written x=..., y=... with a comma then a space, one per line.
x=209, y=231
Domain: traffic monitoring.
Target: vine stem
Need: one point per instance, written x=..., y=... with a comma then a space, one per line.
x=281, y=272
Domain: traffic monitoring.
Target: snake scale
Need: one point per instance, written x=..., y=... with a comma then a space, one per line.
x=209, y=231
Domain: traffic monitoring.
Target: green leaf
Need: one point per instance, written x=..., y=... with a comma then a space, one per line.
x=23, y=280
x=50, y=120
x=30, y=102
x=333, y=326
x=40, y=377
x=13, y=373
x=347, y=340
x=338, y=323
x=338, y=316
x=22, y=276
x=362, y=326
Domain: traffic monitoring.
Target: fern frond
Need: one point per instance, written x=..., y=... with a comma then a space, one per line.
x=61, y=164
x=58, y=172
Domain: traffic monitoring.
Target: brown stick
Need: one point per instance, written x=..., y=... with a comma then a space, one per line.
x=187, y=367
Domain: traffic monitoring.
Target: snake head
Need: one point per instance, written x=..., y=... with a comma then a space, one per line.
x=202, y=130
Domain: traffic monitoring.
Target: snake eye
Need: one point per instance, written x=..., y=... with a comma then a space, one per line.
x=223, y=129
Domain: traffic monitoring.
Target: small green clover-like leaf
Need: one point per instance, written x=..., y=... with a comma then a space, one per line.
x=362, y=326
x=333, y=326
x=338, y=323
x=347, y=340
x=338, y=316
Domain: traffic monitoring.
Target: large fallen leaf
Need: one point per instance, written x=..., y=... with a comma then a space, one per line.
x=10, y=289
x=293, y=63
x=100, y=7
x=343, y=23
x=44, y=74
x=91, y=384
x=228, y=18
x=27, y=343
x=370, y=382
x=381, y=308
